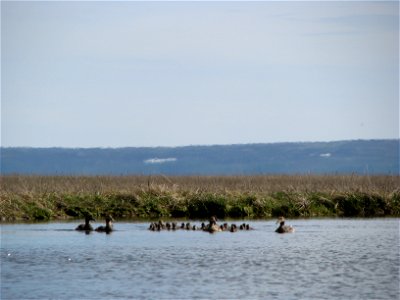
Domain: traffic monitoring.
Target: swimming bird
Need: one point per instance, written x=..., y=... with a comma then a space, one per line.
x=174, y=225
x=282, y=227
x=161, y=224
x=213, y=220
x=212, y=226
x=233, y=228
x=152, y=226
x=109, y=225
x=168, y=225
x=86, y=226
x=203, y=226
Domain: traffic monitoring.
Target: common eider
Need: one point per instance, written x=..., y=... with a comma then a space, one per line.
x=109, y=225
x=282, y=227
x=86, y=226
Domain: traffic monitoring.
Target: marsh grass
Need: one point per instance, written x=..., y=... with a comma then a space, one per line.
x=198, y=197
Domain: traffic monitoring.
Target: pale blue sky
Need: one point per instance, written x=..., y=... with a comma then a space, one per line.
x=113, y=74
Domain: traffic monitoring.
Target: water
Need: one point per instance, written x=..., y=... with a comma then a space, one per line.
x=324, y=259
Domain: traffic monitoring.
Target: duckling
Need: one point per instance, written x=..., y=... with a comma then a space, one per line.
x=109, y=225
x=245, y=226
x=203, y=226
x=86, y=226
x=174, y=225
x=224, y=227
x=161, y=223
x=168, y=225
x=282, y=227
x=153, y=226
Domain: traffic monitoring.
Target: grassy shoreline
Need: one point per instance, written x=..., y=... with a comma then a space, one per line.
x=38, y=198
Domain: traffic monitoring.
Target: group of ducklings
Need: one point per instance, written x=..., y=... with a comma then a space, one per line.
x=87, y=227
x=211, y=227
x=160, y=225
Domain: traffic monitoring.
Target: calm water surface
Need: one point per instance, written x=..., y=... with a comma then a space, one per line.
x=324, y=259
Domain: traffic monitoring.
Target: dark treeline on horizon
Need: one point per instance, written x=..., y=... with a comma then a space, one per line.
x=340, y=157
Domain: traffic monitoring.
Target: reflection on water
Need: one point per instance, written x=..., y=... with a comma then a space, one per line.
x=324, y=259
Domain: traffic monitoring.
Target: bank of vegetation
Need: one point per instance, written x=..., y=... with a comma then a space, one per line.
x=198, y=197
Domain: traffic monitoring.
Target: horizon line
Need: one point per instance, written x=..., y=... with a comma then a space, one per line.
x=202, y=145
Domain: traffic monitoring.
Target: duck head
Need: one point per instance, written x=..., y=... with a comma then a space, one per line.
x=89, y=218
x=109, y=220
x=213, y=220
x=281, y=221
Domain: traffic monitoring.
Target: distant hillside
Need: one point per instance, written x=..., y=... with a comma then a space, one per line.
x=361, y=156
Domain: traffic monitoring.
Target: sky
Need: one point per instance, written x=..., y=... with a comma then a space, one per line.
x=132, y=74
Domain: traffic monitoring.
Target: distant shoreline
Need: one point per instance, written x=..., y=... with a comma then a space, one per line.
x=42, y=198
x=366, y=157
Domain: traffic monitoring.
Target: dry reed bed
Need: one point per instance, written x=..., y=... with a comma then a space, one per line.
x=55, y=197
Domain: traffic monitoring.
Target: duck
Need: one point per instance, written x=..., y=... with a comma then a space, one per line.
x=212, y=226
x=168, y=225
x=174, y=225
x=86, y=226
x=109, y=225
x=233, y=228
x=152, y=226
x=161, y=224
x=282, y=227
x=203, y=226
x=213, y=220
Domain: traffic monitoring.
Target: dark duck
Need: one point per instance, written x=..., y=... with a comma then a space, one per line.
x=108, y=227
x=86, y=226
x=282, y=227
